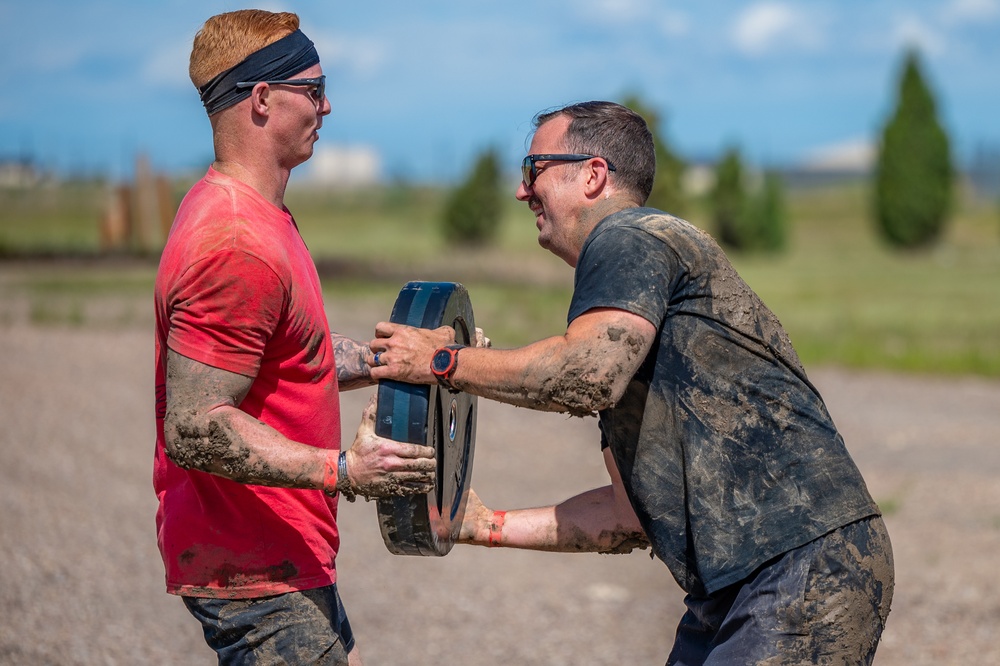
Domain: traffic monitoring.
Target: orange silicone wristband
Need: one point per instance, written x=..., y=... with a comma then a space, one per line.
x=330, y=472
x=496, y=528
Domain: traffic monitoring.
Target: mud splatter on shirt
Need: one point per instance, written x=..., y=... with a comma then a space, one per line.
x=727, y=451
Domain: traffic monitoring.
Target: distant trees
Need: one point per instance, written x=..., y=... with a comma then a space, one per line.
x=913, y=174
x=728, y=198
x=473, y=211
x=767, y=217
x=668, y=186
x=746, y=218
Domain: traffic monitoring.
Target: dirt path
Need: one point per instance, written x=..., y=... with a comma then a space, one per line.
x=81, y=580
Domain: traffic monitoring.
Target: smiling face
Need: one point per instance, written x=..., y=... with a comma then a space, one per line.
x=557, y=197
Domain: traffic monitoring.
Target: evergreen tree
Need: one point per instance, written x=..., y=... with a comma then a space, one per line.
x=913, y=176
x=766, y=224
x=728, y=199
x=473, y=211
x=747, y=220
x=668, y=185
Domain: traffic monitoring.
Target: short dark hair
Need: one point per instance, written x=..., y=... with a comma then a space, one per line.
x=616, y=133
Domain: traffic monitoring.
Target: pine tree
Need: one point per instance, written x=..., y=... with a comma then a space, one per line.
x=728, y=199
x=913, y=175
x=747, y=219
x=473, y=211
x=767, y=219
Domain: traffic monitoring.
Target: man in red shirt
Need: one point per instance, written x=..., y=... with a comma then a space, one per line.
x=248, y=464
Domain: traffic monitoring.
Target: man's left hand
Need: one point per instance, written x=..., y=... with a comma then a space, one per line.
x=380, y=467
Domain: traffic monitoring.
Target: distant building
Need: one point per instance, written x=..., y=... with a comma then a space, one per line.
x=984, y=170
x=20, y=173
x=857, y=156
x=699, y=177
x=346, y=166
x=848, y=161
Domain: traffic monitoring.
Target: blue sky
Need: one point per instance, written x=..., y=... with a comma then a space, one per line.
x=426, y=85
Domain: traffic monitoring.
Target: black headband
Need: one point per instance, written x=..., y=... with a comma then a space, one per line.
x=280, y=60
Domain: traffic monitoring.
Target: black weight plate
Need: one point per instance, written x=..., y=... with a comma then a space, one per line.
x=429, y=524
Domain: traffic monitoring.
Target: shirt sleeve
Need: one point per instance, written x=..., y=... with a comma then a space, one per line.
x=626, y=268
x=224, y=309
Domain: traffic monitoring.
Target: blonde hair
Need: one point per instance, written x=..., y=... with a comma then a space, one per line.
x=227, y=39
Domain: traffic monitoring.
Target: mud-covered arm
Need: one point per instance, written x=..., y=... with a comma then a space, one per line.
x=599, y=520
x=580, y=372
x=353, y=362
x=204, y=429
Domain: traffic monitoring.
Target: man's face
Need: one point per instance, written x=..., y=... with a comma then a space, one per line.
x=556, y=196
x=299, y=116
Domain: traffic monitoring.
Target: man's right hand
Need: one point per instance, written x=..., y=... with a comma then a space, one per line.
x=380, y=467
x=405, y=351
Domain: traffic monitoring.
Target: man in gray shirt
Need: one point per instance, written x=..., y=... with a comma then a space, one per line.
x=722, y=455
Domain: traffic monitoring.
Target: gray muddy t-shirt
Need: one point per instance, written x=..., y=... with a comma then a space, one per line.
x=727, y=451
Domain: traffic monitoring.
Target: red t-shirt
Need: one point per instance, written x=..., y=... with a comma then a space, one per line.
x=237, y=290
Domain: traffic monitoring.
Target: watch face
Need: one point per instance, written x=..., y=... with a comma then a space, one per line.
x=441, y=361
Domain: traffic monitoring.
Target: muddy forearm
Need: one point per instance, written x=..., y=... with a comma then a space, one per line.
x=204, y=429
x=544, y=376
x=581, y=372
x=563, y=373
x=353, y=371
x=230, y=443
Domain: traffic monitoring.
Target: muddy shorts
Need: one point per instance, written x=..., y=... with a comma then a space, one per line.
x=308, y=627
x=823, y=603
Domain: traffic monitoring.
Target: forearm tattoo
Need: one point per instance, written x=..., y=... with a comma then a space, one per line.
x=352, y=362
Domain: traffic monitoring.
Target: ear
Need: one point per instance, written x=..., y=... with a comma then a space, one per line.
x=596, y=183
x=260, y=99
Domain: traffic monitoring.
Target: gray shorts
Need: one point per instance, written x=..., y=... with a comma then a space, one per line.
x=307, y=627
x=823, y=603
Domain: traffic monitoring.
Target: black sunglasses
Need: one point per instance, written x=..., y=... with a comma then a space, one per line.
x=318, y=83
x=529, y=172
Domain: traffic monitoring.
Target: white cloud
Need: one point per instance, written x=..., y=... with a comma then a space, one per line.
x=363, y=58
x=616, y=10
x=58, y=56
x=909, y=31
x=169, y=66
x=674, y=24
x=774, y=26
x=623, y=12
x=971, y=11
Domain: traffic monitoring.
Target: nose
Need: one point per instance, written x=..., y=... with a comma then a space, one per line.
x=523, y=192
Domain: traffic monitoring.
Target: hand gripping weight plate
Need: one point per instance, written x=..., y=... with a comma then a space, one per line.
x=428, y=524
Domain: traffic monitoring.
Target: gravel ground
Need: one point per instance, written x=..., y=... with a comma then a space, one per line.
x=81, y=580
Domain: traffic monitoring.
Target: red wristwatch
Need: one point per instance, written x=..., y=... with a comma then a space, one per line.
x=444, y=363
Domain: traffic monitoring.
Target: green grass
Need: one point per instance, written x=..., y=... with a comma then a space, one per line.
x=51, y=218
x=392, y=224
x=844, y=298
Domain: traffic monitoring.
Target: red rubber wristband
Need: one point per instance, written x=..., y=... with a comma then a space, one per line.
x=496, y=528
